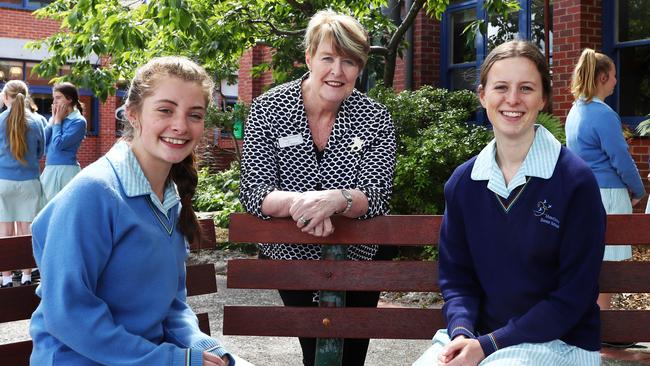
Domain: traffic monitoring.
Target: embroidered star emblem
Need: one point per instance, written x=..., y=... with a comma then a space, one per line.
x=356, y=144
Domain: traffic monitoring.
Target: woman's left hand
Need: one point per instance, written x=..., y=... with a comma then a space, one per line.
x=461, y=352
x=312, y=211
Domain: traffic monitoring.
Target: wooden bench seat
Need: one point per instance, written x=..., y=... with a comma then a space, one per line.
x=392, y=323
x=18, y=303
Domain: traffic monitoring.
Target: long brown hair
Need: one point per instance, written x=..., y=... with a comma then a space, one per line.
x=591, y=65
x=17, y=122
x=184, y=174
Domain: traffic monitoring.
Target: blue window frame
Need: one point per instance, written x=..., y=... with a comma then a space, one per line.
x=25, y=4
x=626, y=39
x=461, y=60
x=41, y=91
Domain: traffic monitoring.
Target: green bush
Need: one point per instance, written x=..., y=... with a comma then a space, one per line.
x=218, y=193
x=553, y=125
x=433, y=138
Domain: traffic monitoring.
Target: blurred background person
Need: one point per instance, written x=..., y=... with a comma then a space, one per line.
x=594, y=132
x=21, y=146
x=63, y=135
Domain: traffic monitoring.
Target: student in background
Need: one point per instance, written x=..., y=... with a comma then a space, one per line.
x=594, y=132
x=64, y=133
x=21, y=146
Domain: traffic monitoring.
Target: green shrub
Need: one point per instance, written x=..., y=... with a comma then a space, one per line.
x=218, y=193
x=433, y=138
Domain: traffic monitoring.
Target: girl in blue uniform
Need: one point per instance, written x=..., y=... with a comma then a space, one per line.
x=21, y=145
x=517, y=269
x=125, y=218
x=64, y=134
x=594, y=132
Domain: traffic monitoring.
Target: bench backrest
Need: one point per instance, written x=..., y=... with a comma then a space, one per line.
x=396, y=323
x=18, y=303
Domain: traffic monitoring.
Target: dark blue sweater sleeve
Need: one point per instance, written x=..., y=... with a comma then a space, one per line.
x=580, y=259
x=458, y=281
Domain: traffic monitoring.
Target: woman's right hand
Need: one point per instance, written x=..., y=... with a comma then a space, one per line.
x=59, y=112
x=213, y=360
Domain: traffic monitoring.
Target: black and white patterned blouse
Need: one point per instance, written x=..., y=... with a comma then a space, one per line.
x=279, y=154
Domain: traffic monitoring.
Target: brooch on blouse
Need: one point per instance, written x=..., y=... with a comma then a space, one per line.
x=356, y=144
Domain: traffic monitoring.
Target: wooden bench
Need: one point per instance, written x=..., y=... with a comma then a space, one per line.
x=18, y=303
x=400, y=276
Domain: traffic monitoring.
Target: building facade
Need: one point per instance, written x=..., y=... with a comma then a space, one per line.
x=440, y=55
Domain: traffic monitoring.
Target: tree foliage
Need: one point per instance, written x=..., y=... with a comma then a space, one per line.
x=124, y=33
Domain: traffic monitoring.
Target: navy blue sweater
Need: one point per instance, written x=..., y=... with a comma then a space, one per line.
x=527, y=272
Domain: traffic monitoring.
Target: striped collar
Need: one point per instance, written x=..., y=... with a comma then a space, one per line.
x=539, y=162
x=133, y=180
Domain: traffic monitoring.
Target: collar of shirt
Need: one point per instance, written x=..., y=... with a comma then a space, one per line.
x=342, y=122
x=539, y=162
x=133, y=180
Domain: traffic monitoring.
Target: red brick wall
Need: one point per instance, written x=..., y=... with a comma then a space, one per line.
x=250, y=87
x=22, y=24
x=576, y=25
x=426, y=55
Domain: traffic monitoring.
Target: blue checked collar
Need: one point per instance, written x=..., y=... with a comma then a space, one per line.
x=539, y=162
x=133, y=180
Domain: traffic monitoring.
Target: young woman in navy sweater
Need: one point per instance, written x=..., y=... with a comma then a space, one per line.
x=518, y=268
x=126, y=218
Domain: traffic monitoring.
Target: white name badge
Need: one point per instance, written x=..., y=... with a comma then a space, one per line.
x=290, y=140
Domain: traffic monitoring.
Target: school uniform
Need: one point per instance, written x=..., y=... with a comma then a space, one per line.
x=62, y=142
x=594, y=132
x=20, y=189
x=517, y=268
x=112, y=262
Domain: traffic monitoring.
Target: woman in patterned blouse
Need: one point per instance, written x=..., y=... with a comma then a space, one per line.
x=317, y=147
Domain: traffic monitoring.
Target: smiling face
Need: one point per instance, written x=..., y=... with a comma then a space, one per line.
x=513, y=96
x=169, y=123
x=332, y=76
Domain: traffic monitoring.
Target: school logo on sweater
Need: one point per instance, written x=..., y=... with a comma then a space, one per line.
x=542, y=210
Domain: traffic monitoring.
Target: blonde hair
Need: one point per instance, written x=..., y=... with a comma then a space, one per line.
x=347, y=35
x=591, y=65
x=17, y=121
x=184, y=174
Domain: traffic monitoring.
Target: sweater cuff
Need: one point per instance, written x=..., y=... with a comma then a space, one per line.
x=460, y=328
x=188, y=357
x=488, y=344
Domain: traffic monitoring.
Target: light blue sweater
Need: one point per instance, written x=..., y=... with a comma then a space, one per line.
x=112, y=277
x=593, y=132
x=12, y=169
x=63, y=140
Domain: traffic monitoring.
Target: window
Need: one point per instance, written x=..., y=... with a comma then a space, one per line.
x=41, y=91
x=461, y=58
x=25, y=4
x=626, y=38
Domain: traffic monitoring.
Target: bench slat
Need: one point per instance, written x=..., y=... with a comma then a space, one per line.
x=16, y=253
x=16, y=354
x=333, y=275
x=404, y=323
x=628, y=229
x=18, y=303
x=201, y=279
x=625, y=325
x=382, y=230
x=625, y=277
